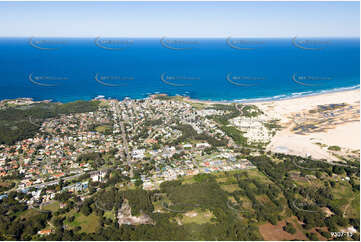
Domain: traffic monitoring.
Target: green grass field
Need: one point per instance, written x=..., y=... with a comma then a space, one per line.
x=197, y=216
x=88, y=224
x=54, y=206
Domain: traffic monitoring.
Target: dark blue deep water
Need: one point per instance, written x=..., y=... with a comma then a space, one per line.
x=207, y=69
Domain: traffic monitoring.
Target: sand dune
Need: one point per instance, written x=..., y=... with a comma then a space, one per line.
x=345, y=135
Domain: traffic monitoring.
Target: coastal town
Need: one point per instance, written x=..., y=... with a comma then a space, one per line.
x=180, y=120
x=94, y=152
x=144, y=139
x=147, y=137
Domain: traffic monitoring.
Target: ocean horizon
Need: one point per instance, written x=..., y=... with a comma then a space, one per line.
x=228, y=69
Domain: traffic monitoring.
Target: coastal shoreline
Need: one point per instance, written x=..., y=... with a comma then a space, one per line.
x=271, y=99
x=264, y=100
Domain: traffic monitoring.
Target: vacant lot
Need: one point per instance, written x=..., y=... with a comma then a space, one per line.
x=276, y=232
x=197, y=216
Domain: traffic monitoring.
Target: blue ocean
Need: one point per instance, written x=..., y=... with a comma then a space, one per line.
x=229, y=69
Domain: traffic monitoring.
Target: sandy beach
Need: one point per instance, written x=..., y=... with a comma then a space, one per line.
x=343, y=130
x=345, y=133
x=308, y=102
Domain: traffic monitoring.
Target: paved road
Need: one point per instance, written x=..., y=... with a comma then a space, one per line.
x=125, y=142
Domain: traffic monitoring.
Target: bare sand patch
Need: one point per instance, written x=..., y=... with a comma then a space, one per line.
x=285, y=107
x=347, y=135
x=343, y=134
x=275, y=232
x=191, y=214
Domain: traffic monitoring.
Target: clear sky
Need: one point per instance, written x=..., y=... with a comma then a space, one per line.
x=179, y=19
